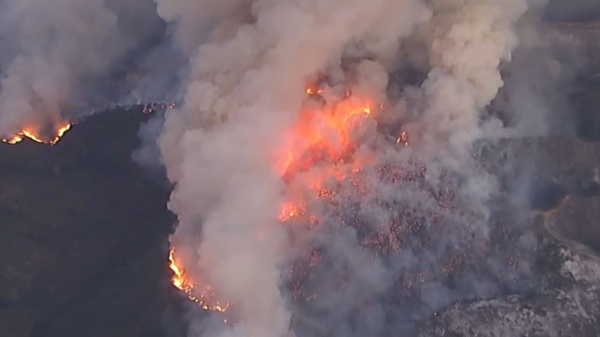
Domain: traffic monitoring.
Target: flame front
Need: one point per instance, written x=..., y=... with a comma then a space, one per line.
x=60, y=133
x=33, y=133
x=36, y=137
x=322, y=146
x=321, y=139
x=14, y=140
x=323, y=132
x=201, y=295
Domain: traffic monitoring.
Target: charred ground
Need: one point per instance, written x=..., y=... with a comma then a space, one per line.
x=83, y=230
x=82, y=235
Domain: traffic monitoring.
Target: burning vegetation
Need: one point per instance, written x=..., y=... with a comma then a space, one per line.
x=36, y=136
x=333, y=185
x=187, y=285
x=319, y=146
x=43, y=136
x=361, y=192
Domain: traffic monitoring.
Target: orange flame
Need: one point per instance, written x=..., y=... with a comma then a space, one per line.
x=34, y=136
x=289, y=210
x=184, y=283
x=313, y=91
x=60, y=133
x=403, y=139
x=325, y=130
x=14, y=140
x=321, y=138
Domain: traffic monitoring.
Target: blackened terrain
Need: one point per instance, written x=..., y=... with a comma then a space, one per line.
x=83, y=230
x=83, y=235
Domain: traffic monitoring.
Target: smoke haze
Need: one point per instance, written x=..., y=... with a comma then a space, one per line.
x=325, y=155
x=250, y=63
x=61, y=59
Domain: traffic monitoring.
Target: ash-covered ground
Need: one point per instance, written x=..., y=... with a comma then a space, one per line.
x=83, y=229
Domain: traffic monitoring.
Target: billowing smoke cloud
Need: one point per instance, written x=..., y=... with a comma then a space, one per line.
x=224, y=149
x=59, y=59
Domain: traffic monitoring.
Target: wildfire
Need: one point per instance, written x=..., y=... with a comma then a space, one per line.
x=34, y=136
x=313, y=91
x=184, y=283
x=323, y=131
x=322, y=138
x=403, y=139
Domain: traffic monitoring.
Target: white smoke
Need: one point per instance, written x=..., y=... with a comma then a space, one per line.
x=250, y=62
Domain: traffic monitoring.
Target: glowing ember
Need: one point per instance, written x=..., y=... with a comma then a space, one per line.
x=289, y=211
x=324, y=131
x=403, y=139
x=313, y=91
x=14, y=140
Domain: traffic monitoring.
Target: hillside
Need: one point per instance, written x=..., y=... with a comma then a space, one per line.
x=83, y=234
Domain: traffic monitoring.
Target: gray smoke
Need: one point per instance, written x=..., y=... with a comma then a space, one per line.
x=60, y=59
x=406, y=231
x=250, y=62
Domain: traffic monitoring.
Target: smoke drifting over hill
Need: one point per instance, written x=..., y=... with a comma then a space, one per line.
x=271, y=177
x=61, y=59
x=322, y=155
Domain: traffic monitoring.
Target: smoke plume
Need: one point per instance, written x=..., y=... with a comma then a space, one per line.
x=399, y=223
x=62, y=58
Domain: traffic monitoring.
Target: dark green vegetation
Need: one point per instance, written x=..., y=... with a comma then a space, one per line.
x=83, y=235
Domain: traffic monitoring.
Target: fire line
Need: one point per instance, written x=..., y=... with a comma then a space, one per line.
x=322, y=135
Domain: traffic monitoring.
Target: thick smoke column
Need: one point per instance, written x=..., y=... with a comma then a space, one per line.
x=250, y=63
x=57, y=57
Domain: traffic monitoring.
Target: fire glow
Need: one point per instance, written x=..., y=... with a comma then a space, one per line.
x=329, y=173
x=321, y=138
x=187, y=285
x=35, y=136
x=323, y=132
